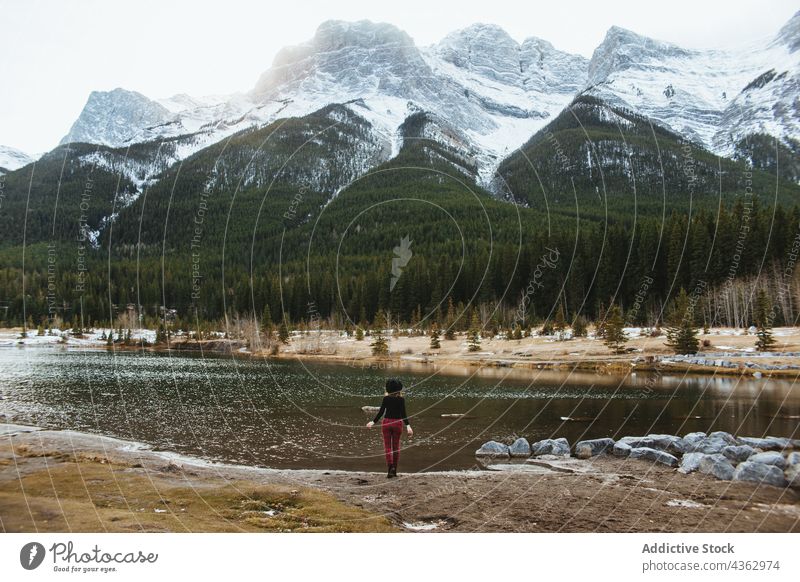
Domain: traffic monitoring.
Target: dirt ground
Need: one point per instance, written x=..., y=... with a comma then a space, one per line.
x=68, y=481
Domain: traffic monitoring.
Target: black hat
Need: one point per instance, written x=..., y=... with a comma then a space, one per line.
x=393, y=385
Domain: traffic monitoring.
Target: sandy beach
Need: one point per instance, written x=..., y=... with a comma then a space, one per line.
x=53, y=480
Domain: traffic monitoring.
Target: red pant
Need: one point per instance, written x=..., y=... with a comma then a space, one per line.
x=392, y=428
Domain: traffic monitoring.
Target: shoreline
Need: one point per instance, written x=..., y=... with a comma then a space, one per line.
x=530, y=354
x=54, y=480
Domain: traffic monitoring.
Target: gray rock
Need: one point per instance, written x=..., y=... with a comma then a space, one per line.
x=726, y=436
x=492, y=449
x=712, y=444
x=766, y=444
x=792, y=475
x=621, y=449
x=738, y=453
x=654, y=455
x=760, y=473
x=690, y=462
x=793, y=458
x=662, y=442
x=716, y=465
x=593, y=447
x=769, y=458
x=520, y=448
x=559, y=447
x=694, y=437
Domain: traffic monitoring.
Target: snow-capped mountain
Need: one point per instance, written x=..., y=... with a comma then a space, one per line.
x=481, y=89
x=12, y=158
x=714, y=97
x=115, y=117
x=494, y=90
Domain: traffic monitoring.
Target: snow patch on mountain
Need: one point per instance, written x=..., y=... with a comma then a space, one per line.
x=12, y=159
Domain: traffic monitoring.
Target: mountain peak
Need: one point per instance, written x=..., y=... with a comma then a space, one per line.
x=622, y=48
x=789, y=33
x=486, y=49
x=115, y=117
x=335, y=34
x=352, y=51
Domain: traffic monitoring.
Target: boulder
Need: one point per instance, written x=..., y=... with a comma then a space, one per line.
x=738, y=453
x=766, y=444
x=792, y=475
x=793, y=458
x=654, y=455
x=558, y=447
x=493, y=449
x=760, y=473
x=694, y=437
x=662, y=442
x=716, y=465
x=690, y=462
x=769, y=458
x=621, y=449
x=520, y=448
x=712, y=444
x=593, y=447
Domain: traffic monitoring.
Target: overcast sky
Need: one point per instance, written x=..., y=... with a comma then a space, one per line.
x=54, y=53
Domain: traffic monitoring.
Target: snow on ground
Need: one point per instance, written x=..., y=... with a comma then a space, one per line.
x=64, y=337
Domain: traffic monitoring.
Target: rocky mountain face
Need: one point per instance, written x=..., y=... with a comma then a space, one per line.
x=481, y=92
x=713, y=97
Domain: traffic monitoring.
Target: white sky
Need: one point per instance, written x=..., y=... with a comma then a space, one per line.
x=54, y=53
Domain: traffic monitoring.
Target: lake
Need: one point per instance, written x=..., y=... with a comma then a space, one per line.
x=291, y=414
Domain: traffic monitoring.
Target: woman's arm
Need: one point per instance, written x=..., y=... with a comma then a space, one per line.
x=381, y=410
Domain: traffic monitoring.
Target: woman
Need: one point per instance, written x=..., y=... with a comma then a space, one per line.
x=393, y=410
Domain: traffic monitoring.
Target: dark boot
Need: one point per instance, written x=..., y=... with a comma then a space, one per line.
x=389, y=474
x=393, y=471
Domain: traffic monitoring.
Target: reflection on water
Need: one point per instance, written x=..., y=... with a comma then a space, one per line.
x=292, y=414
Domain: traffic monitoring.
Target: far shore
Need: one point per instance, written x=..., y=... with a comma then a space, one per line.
x=60, y=480
x=724, y=351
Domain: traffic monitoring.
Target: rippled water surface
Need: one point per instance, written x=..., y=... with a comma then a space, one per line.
x=292, y=414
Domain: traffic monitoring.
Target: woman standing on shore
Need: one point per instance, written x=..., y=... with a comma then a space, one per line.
x=393, y=410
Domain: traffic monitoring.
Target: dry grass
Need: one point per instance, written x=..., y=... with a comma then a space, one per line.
x=88, y=493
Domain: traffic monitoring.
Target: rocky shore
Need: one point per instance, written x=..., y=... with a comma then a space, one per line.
x=58, y=480
x=761, y=460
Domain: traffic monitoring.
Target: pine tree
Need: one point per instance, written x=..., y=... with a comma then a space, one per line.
x=266, y=321
x=283, y=332
x=474, y=334
x=435, y=344
x=560, y=322
x=763, y=308
x=579, y=327
x=516, y=334
x=614, y=337
x=450, y=331
x=600, y=328
x=379, y=345
x=110, y=338
x=359, y=333
x=40, y=330
x=681, y=333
